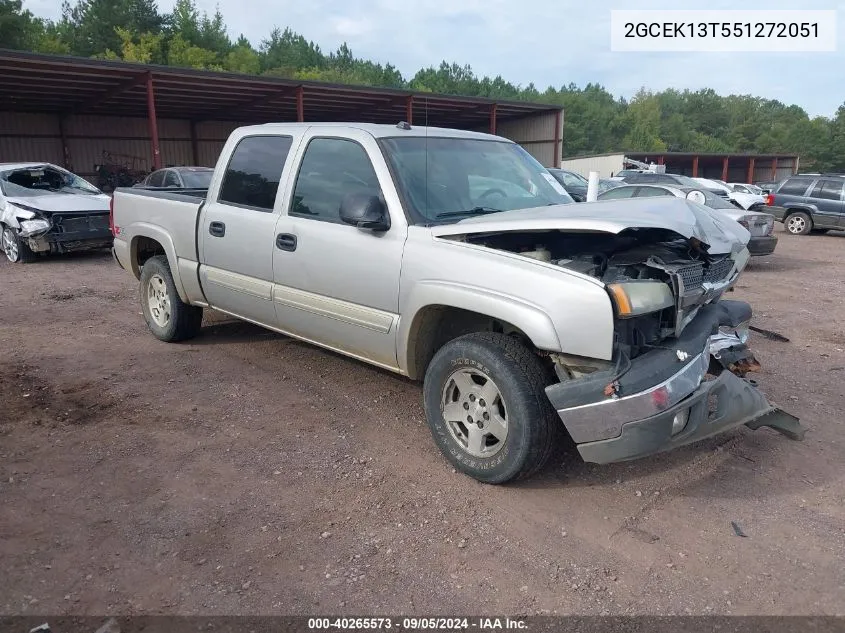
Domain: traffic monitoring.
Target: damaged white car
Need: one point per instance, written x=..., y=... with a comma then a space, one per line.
x=47, y=209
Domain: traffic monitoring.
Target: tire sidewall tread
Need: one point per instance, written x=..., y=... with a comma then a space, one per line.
x=521, y=378
x=185, y=320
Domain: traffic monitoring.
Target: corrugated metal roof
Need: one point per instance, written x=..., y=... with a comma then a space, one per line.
x=31, y=82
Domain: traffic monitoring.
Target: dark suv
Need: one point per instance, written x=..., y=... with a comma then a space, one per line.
x=806, y=203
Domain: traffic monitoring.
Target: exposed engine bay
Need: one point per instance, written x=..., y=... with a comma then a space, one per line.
x=695, y=276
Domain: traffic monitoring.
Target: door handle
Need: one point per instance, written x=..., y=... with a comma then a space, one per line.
x=217, y=229
x=286, y=242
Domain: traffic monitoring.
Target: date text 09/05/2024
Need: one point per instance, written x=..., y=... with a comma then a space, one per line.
x=417, y=624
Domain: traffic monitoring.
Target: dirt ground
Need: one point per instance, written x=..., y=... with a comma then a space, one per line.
x=247, y=473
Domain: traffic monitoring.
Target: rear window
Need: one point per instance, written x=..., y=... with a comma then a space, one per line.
x=252, y=177
x=795, y=186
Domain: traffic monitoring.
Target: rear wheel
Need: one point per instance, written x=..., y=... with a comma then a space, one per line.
x=798, y=223
x=14, y=247
x=167, y=316
x=487, y=409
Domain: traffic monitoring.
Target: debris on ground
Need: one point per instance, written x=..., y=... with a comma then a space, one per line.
x=738, y=530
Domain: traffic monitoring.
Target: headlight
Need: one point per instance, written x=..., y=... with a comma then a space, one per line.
x=29, y=227
x=633, y=298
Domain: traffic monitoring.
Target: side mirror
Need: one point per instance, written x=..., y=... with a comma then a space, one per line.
x=364, y=211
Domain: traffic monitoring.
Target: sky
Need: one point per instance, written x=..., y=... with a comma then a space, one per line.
x=547, y=42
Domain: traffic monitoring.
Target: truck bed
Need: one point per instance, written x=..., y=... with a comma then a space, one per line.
x=174, y=214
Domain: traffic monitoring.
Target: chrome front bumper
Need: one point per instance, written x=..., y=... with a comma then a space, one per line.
x=665, y=399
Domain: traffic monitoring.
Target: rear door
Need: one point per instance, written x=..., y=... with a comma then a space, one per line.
x=336, y=284
x=236, y=230
x=826, y=195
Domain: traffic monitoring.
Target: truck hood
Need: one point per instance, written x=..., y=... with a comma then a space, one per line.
x=62, y=202
x=686, y=218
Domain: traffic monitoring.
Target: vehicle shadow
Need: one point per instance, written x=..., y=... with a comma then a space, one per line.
x=74, y=256
x=756, y=453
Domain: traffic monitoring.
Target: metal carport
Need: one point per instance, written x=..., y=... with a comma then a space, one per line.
x=62, y=109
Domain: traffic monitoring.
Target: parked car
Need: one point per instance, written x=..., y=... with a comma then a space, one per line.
x=194, y=178
x=576, y=185
x=47, y=209
x=742, y=187
x=758, y=224
x=767, y=186
x=741, y=199
x=809, y=204
x=518, y=311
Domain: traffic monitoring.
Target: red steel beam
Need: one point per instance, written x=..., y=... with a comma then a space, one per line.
x=774, y=168
x=493, y=119
x=725, y=168
x=300, y=104
x=695, y=166
x=558, y=155
x=750, y=178
x=409, y=109
x=153, y=122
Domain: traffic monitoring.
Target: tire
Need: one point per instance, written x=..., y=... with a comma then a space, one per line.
x=16, y=251
x=497, y=366
x=167, y=316
x=798, y=223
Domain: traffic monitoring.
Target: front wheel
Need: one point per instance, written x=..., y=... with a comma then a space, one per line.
x=799, y=223
x=14, y=247
x=487, y=409
x=167, y=316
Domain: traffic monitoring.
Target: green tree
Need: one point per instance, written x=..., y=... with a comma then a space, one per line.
x=182, y=53
x=89, y=26
x=285, y=52
x=19, y=28
x=243, y=59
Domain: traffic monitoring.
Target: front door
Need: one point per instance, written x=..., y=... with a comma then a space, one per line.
x=236, y=230
x=336, y=284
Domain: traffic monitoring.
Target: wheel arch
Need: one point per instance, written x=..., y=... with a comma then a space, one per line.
x=147, y=241
x=433, y=323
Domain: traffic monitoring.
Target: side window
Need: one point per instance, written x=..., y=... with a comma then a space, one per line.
x=617, y=193
x=156, y=178
x=252, y=175
x=331, y=168
x=828, y=190
x=795, y=186
x=650, y=192
x=170, y=179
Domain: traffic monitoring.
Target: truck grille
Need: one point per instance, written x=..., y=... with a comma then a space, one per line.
x=695, y=275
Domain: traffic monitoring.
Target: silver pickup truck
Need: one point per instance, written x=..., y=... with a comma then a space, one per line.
x=455, y=258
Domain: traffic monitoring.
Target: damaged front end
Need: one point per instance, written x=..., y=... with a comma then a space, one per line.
x=680, y=360
x=59, y=231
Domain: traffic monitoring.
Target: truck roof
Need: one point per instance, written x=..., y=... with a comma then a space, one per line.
x=378, y=130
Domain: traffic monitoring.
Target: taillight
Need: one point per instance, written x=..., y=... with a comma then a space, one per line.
x=115, y=230
x=770, y=200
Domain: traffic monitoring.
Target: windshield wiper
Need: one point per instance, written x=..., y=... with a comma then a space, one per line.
x=473, y=211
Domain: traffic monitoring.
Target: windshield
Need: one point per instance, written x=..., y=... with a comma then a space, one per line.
x=754, y=189
x=446, y=179
x=200, y=179
x=41, y=180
